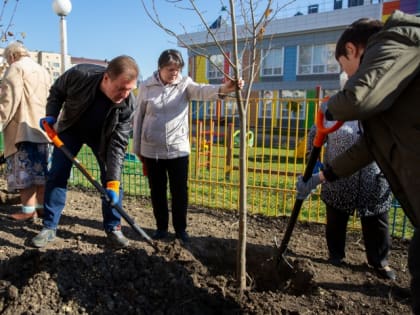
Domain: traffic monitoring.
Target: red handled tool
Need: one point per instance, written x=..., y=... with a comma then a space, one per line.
x=59, y=144
x=321, y=134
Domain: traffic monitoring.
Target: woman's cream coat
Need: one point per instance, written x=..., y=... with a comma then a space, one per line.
x=23, y=97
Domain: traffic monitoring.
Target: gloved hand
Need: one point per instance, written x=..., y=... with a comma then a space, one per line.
x=304, y=189
x=49, y=119
x=113, y=191
x=318, y=167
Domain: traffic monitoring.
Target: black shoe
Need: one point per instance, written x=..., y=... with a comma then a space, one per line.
x=386, y=272
x=335, y=261
x=183, y=236
x=159, y=234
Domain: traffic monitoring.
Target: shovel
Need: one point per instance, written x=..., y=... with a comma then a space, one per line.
x=321, y=133
x=59, y=144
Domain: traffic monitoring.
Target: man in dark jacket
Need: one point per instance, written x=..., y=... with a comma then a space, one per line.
x=383, y=94
x=93, y=106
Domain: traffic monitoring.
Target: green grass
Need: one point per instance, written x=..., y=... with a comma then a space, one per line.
x=270, y=185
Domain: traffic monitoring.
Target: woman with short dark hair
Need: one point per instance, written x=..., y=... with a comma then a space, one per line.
x=161, y=136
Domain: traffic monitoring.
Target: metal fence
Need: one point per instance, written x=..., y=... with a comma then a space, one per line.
x=276, y=154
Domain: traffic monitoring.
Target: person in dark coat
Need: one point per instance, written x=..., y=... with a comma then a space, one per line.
x=92, y=105
x=382, y=93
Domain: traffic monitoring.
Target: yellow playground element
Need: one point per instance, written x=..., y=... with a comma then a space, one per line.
x=301, y=148
x=249, y=138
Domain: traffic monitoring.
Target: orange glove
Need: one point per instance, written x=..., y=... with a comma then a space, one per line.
x=113, y=191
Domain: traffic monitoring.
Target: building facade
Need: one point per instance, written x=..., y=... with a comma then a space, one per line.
x=296, y=55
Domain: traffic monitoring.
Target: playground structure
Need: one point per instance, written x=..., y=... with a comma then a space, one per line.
x=263, y=135
x=206, y=139
x=226, y=139
x=204, y=145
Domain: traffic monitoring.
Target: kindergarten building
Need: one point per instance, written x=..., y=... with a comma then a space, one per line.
x=296, y=56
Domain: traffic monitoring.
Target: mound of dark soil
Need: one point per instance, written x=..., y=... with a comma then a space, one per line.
x=80, y=274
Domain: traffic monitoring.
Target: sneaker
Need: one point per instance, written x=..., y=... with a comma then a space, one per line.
x=116, y=238
x=160, y=234
x=44, y=237
x=183, y=236
x=386, y=272
x=22, y=216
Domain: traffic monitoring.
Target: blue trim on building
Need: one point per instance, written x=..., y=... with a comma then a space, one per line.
x=290, y=59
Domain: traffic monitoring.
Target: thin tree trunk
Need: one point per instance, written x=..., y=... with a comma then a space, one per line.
x=241, y=258
x=241, y=250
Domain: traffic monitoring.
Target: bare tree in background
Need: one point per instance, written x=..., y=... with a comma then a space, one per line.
x=254, y=17
x=7, y=12
x=7, y=15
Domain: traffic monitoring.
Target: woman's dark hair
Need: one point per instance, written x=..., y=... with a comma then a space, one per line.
x=357, y=33
x=170, y=57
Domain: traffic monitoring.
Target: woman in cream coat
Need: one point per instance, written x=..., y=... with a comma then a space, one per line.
x=24, y=91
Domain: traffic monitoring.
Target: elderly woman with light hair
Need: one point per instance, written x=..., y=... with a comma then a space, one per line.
x=23, y=97
x=14, y=52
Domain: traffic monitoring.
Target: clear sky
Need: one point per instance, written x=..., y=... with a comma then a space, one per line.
x=103, y=29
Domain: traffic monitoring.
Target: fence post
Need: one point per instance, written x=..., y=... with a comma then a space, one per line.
x=198, y=144
x=210, y=143
x=229, y=151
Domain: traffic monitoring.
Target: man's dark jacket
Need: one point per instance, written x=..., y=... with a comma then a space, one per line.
x=70, y=96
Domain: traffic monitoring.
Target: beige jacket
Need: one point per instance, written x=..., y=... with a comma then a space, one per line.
x=23, y=97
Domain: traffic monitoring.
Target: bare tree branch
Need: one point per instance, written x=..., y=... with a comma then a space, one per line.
x=6, y=33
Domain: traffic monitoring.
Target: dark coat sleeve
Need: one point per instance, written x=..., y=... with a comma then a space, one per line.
x=117, y=139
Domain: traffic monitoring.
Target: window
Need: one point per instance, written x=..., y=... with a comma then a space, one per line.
x=212, y=71
x=230, y=108
x=317, y=59
x=338, y=4
x=293, y=104
x=272, y=62
x=355, y=3
x=313, y=8
x=268, y=104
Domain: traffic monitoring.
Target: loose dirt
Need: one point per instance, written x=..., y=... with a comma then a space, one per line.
x=80, y=274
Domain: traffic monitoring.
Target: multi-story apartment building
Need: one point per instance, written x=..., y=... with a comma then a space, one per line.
x=296, y=54
x=52, y=61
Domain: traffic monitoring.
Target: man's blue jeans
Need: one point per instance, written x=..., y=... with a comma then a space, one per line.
x=56, y=185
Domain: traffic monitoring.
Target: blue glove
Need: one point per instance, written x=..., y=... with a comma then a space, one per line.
x=318, y=167
x=304, y=189
x=49, y=119
x=113, y=191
